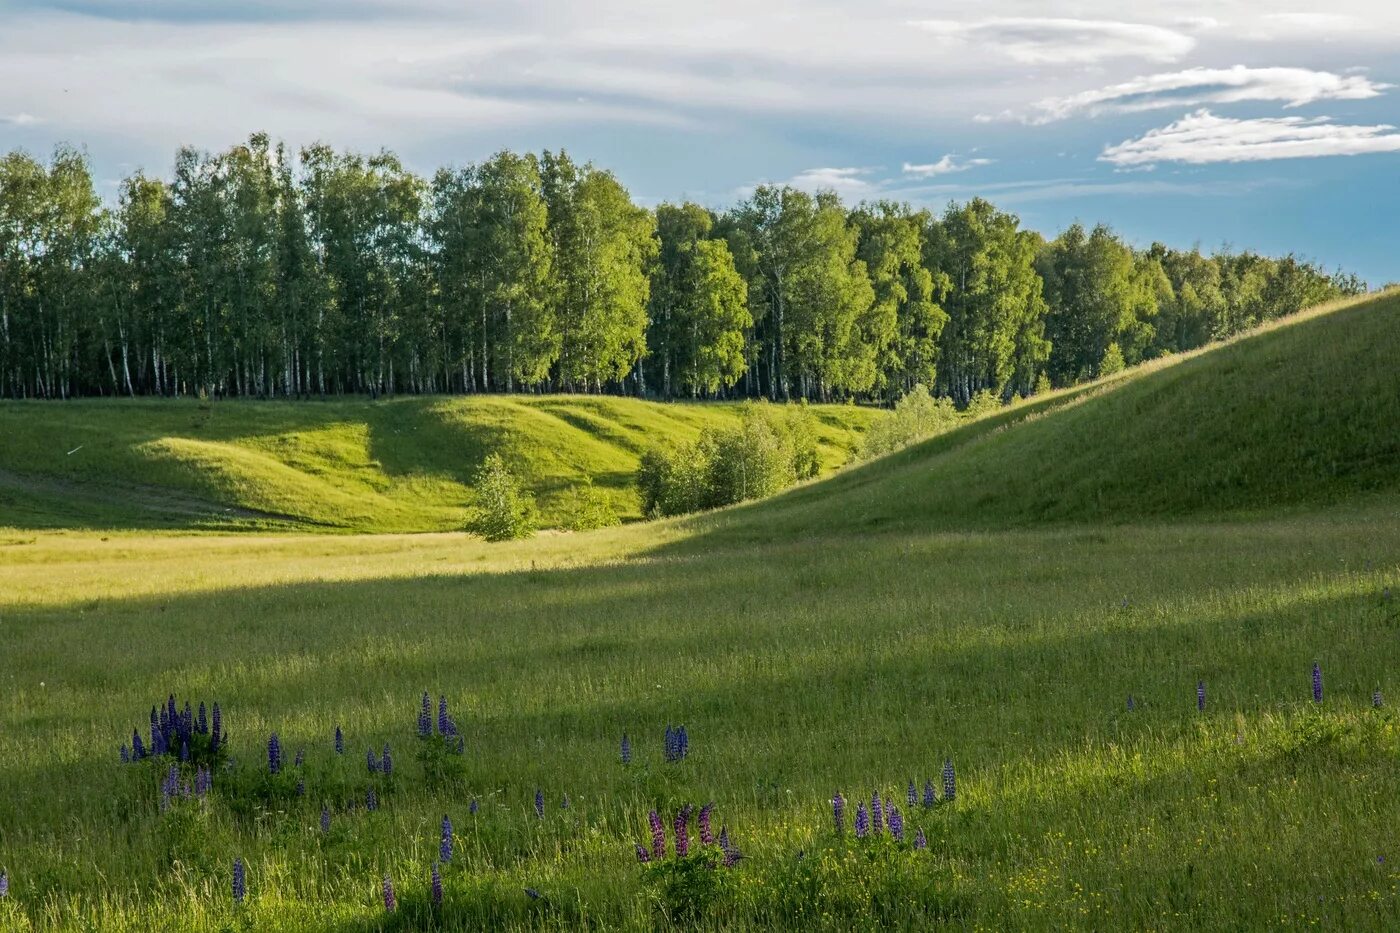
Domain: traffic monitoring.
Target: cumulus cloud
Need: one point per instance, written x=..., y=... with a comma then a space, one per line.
x=1042, y=40
x=944, y=166
x=19, y=119
x=1195, y=86
x=851, y=183
x=1202, y=138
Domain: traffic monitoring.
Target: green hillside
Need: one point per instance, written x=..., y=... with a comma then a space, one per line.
x=1303, y=413
x=403, y=464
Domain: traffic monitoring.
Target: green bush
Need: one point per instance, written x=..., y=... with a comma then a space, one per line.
x=503, y=510
x=983, y=403
x=769, y=450
x=916, y=416
x=587, y=508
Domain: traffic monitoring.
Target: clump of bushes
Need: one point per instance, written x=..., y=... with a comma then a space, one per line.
x=916, y=416
x=503, y=509
x=588, y=507
x=770, y=449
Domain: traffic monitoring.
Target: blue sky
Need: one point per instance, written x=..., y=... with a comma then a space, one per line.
x=1260, y=125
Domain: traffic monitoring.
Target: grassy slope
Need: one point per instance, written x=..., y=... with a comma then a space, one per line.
x=825, y=660
x=1304, y=413
x=396, y=465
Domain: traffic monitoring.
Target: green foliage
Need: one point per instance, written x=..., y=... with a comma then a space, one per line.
x=503, y=510
x=687, y=890
x=982, y=403
x=1112, y=362
x=586, y=508
x=916, y=416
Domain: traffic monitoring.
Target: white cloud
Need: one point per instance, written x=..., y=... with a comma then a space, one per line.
x=1195, y=86
x=19, y=119
x=851, y=183
x=944, y=166
x=1202, y=138
x=1034, y=40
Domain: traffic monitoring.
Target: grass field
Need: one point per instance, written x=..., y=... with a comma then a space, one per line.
x=1229, y=519
x=394, y=465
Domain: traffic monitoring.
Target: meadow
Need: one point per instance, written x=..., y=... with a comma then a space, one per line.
x=1224, y=521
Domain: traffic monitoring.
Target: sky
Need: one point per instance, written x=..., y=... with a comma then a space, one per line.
x=1253, y=125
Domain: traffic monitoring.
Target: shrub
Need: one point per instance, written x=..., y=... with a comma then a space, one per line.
x=983, y=403
x=1112, y=361
x=588, y=508
x=916, y=416
x=503, y=510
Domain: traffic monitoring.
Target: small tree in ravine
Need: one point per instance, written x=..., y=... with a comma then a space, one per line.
x=503, y=510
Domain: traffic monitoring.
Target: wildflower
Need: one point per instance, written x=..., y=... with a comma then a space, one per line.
x=930, y=798
x=1377, y=700
x=445, y=849
x=126, y=755
x=950, y=782
x=877, y=814
x=301, y=787
x=138, y=751
x=658, y=835
x=4, y=883
x=1132, y=705
x=372, y=761
x=202, y=723
x=707, y=837
x=920, y=840
x=387, y=765
x=391, y=903
x=838, y=811
x=539, y=803
x=300, y=758
x=274, y=754
x=670, y=744
x=862, y=821
x=325, y=820
x=443, y=722
x=682, y=832
x=684, y=741
x=437, y=886
x=564, y=804
x=425, y=716
x=339, y=741
x=240, y=881
x=461, y=740
x=216, y=731
x=626, y=749
x=913, y=795
x=896, y=824
x=203, y=781
x=1317, y=682
x=371, y=800
x=184, y=751
x=532, y=894
x=642, y=855
x=473, y=807
x=1201, y=695
x=731, y=852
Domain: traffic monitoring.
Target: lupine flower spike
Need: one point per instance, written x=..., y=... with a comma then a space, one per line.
x=372, y=761
x=1132, y=704
x=387, y=763
x=1317, y=682
x=300, y=758
x=682, y=832
x=1201, y=695
x=862, y=821
x=425, y=717
x=1377, y=700
x=325, y=820
x=539, y=803
x=950, y=782
x=126, y=755
x=658, y=835
x=437, y=886
x=274, y=754
x=930, y=798
x=391, y=903
x=473, y=807
x=216, y=731
x=445, y=849
x=838, y=811
x=731, y=852
x=642, y=855
x=626, y=749
x=913, y=795
x=4, y=884
x=444, y=722
x=920, y=840
x=877, y=814
x=896, y=824
x=707, y=837
x=371, y=800
x=339, y=741
x=240, y=881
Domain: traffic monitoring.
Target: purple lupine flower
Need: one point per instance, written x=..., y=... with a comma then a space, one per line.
x=126, y=755
x=301, y=787
x=461, y=740
x=473, y=807
x=532, y=894
x=930, y=798
x=202, y=723
x=626, y=749
x=184, y=751
x=1201, y=695
x=1132, y=704
x=387, y=763
x=437, y=886
x=203, y=780
x=896, y=824
x=838, y=811
x=138, y=751
x=877, y=814
x=391, y=903
x=216, y=731
x=539, y=803
x=564, y=803
x=240, y=881
x=172, y=781
x=372, y=761
x=669, y=749
x=371, y=800
x=658, y=835
x=682, y=831
x=445, y=849
x=731, y=852
x=642, y=855
x=913, y=795
x=707, y=837
x=274, y=754
x=683, y=740
x=444, y=723
x=172, y=714
x=425, y=716
x=1317, y=682
x=862, y=821
x=300, y=758
x=950, y=782
x=920, y=840
x=339, y=741
x=1377, y=700
x=325, y=820
x=4, y=883
x=186, y=722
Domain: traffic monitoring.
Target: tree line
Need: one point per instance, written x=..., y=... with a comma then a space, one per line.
x=258, y=272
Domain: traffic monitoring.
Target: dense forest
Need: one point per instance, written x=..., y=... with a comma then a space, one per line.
x=259, y=272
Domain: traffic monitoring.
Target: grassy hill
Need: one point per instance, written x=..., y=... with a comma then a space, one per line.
x=1303, y=413
x=992, y=598
x=395, y=465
